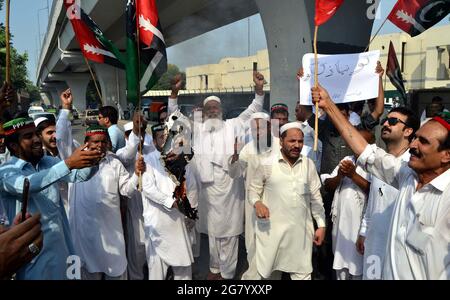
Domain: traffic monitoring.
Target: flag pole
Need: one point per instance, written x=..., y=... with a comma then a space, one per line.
x=376, y=33
x=95, y=81
x=138, y=41
x=8, y=46
x=316, y=84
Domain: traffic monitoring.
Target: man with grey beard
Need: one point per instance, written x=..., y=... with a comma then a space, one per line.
x=223, y=207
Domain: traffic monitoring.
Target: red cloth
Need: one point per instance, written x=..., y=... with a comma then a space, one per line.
x=442, y=122
x=325, y=9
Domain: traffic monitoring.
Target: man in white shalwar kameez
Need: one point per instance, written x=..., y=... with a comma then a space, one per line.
x=134, y=220
x=213, y=141
x=419, y=234
x=350, y=185
x=285, y=192
x=95, y=219
x=398, y=129
x=167, y=240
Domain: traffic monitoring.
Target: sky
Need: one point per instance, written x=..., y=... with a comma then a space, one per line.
x=29, y=23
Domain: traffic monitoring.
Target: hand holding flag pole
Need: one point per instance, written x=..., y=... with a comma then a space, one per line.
x=325, y=9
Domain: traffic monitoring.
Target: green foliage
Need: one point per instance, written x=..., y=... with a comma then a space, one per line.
x=19, y=76
x=164, y=81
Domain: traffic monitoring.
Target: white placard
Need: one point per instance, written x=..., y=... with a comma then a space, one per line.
x=346, y=77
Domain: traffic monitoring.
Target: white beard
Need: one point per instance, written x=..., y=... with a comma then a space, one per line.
x=213, y=124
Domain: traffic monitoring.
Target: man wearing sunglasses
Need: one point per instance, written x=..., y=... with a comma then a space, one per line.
x=418, y=235
x=398, y=129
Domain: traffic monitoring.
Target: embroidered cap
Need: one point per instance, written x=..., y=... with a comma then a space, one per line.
x=16, y=125
x=444, y=119
x=158, y=127
x=96, y=129
x=279, y=107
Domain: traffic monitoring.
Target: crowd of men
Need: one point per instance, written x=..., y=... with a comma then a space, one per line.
x=350, y=210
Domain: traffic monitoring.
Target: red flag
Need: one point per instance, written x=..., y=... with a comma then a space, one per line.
x=416, y=16
x=148, y=21
x=325, y=9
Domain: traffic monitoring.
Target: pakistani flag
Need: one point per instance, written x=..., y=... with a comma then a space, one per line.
x=416, y=16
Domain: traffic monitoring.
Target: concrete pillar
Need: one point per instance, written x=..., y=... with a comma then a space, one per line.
x=54, y=89
x=289, y=28
x=113, y=84
x=288, y=37
x=78, y=86
x=77, y=82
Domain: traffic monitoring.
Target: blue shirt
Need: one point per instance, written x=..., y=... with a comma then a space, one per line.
x=117, y=137
x=43, y=198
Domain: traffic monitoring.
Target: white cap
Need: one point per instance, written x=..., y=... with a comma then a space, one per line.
x=211, y=98
x=260, y=115
x=128, y=126
x=39, y=121
x=291, y=125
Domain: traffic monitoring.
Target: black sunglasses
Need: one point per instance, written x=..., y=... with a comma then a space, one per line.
x=392, y=121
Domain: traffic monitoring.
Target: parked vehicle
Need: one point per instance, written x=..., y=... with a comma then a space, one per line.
x=91, y=117
x=75, y=114
x=47, y=115
x=35, y=109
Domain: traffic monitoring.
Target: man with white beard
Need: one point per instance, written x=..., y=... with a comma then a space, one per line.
x=223, y=209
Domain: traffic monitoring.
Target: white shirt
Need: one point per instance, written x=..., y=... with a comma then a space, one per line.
x=419, y=233
x=247, y=166
x=164, y=225
x=95, y=220
x=292, y=195
x=66, y=145
x=376, y=221
x=4, y=157
x=127, y=155
x=347, y=210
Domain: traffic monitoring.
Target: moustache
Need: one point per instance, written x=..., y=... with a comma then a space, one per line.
x=386, y=129
x=415, y=152
x=52, y=140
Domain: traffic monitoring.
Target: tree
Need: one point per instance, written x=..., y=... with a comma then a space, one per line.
x=164, y=81
x=19, y=74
